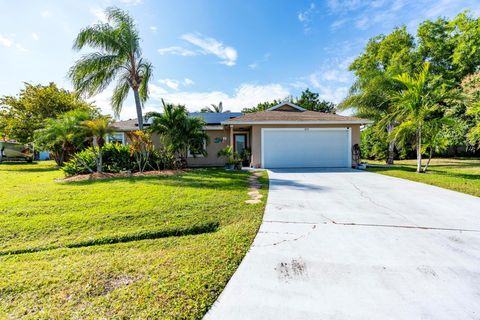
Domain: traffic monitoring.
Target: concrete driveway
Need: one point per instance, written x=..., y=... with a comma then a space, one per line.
x=348, y=244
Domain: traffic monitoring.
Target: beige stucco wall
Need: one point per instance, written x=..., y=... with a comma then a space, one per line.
x=212, y=149
x=256, y=139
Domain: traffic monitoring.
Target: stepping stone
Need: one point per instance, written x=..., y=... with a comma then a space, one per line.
x=253, y=193
x=252, y=201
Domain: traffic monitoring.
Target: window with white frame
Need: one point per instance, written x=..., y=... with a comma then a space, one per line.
x=116, y=137
x=197, y=155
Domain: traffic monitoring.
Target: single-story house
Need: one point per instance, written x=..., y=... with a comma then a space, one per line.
x=284, y=136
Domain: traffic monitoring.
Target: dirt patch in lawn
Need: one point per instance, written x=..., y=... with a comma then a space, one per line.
x=104, y=175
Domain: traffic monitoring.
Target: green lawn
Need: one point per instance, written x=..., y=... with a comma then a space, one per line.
x=144, y=247
x=461, y=175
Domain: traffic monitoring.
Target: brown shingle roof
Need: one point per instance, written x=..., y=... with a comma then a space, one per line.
x=288, y=116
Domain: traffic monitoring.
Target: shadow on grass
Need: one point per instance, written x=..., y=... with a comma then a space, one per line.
x=206, y=227
x=195, y=178
x=432, y=170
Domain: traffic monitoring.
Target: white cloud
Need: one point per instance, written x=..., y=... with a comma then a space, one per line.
x=176, y=50
x=132, y=2
x=338, y=23
x=208, y=45
x=344, y=5
x=246, y=95
x=188, y=82
x=362, y=23
x=153, y=28
x=253, y=66
x=35, y=36
x=9, y=42
x=171, y=83
x=305, y=16
x=99, y=13
x=175, y=84
x=6, y=42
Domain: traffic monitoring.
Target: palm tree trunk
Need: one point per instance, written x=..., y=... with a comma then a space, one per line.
x=429, y=159
x=138, y=104
x=419, y=149
x=391, y=145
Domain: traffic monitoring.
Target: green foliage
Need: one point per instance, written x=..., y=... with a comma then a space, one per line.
x=118, y=57
x=471, y=90
x=373, y=145
x=179, y=132
x=214, y=108
x=22, y=115
x=63, y=136
x=452, y=48
x=308, y=100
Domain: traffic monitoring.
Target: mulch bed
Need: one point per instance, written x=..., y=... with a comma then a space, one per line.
x=105, y=175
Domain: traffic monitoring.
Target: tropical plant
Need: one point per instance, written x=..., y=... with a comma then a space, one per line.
x=417, y=107
x=214, y=108
x=62, y=136
x=118, y=57
x=141, y=146
x=179, y=132
x=22, y=115
x=96, y=130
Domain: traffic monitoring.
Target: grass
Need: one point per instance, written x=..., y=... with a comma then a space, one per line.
x=459, y=174
x=143, y=247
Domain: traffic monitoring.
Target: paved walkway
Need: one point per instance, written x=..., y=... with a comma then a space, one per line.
x=348, y=244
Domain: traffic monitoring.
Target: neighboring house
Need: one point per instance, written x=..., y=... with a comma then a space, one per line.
x=284, y=136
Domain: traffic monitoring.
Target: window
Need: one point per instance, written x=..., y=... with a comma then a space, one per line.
x=197, y=155
x=116, y=137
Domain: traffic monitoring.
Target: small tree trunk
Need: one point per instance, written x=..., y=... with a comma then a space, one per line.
x=138, y=104
x=419, y=149
x=391, y=145
x=429, y=159
x=99, y=163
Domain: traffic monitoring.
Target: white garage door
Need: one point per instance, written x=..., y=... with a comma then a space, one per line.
x=306, y=147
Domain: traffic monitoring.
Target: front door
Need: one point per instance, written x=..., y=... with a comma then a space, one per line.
x=240, y=143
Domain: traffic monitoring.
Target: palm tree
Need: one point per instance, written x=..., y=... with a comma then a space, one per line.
x=415, y=107
x=179, y=131
x=96, y=130
x=62, y=136
x=118, y=57
x=214, y=108
x=371, y=98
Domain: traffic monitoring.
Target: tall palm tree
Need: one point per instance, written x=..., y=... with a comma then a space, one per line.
x=179, y=131
x=414, y=106
x=214, y=108
x=96, y=130
x=118, y=57
x=371, y=98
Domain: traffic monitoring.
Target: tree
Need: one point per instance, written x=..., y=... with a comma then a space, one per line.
x=118, y=57
x=63, y=136
x=22, y=115
x=384, y=57
x=310, y=100
x=417, y=107
x=96, y=130
x=471, y=89
x=178, y=131
x=451, y=46
x=214, y=108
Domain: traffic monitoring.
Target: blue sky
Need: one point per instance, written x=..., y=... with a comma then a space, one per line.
x=240, y=52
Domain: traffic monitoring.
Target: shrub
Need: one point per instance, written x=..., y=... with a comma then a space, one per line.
x=116, y=158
